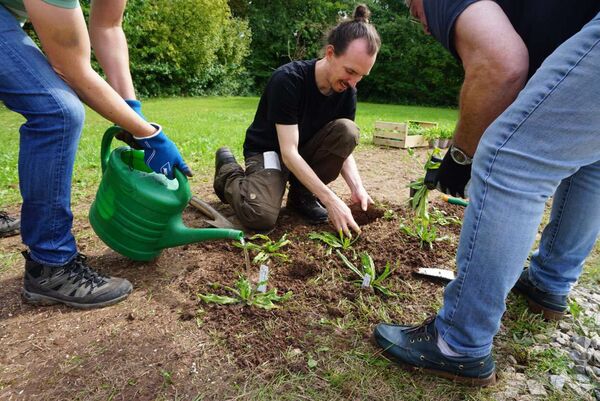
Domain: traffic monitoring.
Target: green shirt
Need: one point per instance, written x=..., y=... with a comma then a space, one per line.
x=18, y=8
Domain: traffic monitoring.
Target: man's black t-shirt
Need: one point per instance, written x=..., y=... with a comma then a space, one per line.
x=292, y=97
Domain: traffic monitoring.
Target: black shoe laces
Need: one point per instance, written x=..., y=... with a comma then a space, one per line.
x=422, y=331
x=5, y=217
x=79, y=270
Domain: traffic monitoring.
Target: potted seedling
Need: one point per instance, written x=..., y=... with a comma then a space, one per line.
x=446, y=134
x=246, y=294
x=367, y=274
x=332, y=241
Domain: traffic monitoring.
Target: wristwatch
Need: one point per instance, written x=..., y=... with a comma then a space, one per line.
x=459, y=156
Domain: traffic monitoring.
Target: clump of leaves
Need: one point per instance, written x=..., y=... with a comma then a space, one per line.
x=337, y=242
x=421, y=229
x=389, y=215
x=440, y=217
x=367, y=268
x=269, y=249
x=246, y=294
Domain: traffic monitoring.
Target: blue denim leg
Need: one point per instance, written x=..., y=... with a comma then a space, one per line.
x=48, y=142
x=571, y=233
x=549, y=135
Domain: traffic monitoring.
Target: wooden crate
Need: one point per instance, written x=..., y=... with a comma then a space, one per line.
x=397, y=135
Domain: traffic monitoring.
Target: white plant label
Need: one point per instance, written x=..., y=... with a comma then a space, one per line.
x=263, y=275
x=366, y=281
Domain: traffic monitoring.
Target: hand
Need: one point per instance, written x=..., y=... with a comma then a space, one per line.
x=125, y=136
x=450, y=178
x=361, y=196
x=341, y=216
x=161, y=154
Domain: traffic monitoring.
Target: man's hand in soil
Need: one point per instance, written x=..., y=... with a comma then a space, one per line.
x=361, y=197
x=340, y=216
x=451, y=178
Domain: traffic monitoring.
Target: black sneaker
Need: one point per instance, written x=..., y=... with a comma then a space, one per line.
x=552, y=307
x=223, y=156
x=9, y=225
x=74, y=284
x=307, y=205
x=415, y=347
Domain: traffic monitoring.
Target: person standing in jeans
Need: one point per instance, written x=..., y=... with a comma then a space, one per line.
x=546, y=144
x=304, y=129
x=46, y=89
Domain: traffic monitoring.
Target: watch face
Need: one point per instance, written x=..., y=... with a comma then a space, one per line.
x=459, y=156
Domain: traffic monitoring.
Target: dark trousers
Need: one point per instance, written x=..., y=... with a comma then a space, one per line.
x=256, y=193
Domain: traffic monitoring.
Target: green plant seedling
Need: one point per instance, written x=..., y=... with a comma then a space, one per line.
x=269, y=249
x=440, y=217
x=332, y=241
x=248, y=295
x=389, y=215
x=423, y=231
x=367, y=268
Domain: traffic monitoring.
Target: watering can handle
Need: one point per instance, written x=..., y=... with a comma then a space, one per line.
x=105, y=147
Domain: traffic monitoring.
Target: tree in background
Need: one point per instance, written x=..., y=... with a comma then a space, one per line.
x=412, y=68
x=186, y=47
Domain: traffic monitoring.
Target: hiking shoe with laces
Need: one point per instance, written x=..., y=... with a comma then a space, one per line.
x=74, y=284
x=551, y=306
x=415, y=347
x=8, y=225
x=307, y=205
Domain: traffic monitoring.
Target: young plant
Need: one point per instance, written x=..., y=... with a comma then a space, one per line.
x=333, y=241
x=248, y=295
x=269, y=249
x=420, y=229
x=367, y=268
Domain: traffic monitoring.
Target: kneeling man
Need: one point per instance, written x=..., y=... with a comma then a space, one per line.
x=304, y=131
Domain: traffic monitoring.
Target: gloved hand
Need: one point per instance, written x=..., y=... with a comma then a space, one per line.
x=161, y=154
x=125, y=136
x=450, y=178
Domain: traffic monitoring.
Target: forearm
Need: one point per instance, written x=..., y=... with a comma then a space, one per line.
x=98, y=94
x=350, y=174
x=110, y=45
x=481, y=101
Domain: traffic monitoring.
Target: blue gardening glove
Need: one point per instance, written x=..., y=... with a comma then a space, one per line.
x=136, y=105
x=161, y=154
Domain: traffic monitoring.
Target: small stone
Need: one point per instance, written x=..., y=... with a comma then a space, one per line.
x=558, y=381
x=583, y=341
x=536, y=388
x=596, y=370
x=596, y=358
x=589, y=371
x=597, y=394
x=562, y=341
x=511, y=359
x=581, y=378
x=576, y=356
x=580, y=369
x=509, y=369
x=580, y=350
x=541, y=338
x=564, y=326
x=596, y=342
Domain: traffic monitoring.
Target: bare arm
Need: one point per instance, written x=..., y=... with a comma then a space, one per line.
x=352, y=178
x=65, y=41
x=339, y=213
x=110, y=45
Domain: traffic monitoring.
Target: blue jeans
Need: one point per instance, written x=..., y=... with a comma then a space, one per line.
x=546, y=143
x=48, y=142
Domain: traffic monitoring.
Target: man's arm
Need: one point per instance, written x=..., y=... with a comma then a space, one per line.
x=352, y=177
x=110, y=45
x=339, y=213
x=65, y=41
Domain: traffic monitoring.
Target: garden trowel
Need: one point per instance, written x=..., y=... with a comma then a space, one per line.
x=443, y=275
x=212, y=217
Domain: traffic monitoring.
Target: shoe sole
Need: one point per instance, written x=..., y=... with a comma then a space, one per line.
x=10, y=233
x=469, y=381
x=534, y=307
x=43, y=300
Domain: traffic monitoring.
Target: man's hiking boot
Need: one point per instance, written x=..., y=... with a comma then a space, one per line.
x=8, y=225
x=552, y=307
x=74, y=284
x=307, y=205
x=415, y=347
x=222, y=157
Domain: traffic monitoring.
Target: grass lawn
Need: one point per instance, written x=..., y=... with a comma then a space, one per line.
x=199, y=126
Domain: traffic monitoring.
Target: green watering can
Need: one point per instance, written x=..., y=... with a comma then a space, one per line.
x=138, y=212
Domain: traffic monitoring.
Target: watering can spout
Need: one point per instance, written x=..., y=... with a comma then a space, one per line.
x=178, y=234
